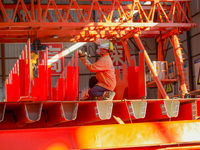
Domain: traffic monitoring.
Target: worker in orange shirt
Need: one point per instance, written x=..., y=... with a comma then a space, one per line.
x=105, y=72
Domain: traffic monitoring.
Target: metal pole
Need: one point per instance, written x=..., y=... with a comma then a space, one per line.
x=190, y=61
x=127, y=53
x=160, y=58
x=150, y=65
x=179, y=64
x=3, y=63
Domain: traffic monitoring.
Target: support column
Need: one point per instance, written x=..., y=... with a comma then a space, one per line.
x=161, y=51
x=191, y=83
x=127, y=53
x=3, y=63
x=179, y=65
x=150, y=65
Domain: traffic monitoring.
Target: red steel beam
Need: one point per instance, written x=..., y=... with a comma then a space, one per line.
x=161, y=52
x=179, y=65
x=140, y=135
x=152, y=0
x=31, y=25
x=150, y=65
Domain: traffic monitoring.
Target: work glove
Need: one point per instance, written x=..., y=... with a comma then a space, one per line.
x=81, y=54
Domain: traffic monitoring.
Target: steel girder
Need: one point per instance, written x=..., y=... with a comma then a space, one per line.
x=152, y=135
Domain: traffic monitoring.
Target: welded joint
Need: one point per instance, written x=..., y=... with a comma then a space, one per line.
x=96, y=111
x=194, y=111
x=130, y=110
x=163, y=109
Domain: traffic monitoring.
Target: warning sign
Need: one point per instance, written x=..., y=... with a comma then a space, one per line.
x=169, y=88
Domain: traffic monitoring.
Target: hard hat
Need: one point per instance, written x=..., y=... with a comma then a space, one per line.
x=105, y=44
x=34, y=57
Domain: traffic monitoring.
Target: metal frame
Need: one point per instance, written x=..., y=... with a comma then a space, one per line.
x=152, y=135
x=26, y=116
x=171, y=14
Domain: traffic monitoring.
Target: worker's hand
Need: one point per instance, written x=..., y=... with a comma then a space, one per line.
x=81, y=54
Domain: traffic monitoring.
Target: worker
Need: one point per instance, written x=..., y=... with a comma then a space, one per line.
x=105, y=72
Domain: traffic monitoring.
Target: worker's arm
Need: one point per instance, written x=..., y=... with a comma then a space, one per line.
x=95, y=67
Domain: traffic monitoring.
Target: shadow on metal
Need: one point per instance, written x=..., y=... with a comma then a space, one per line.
x=96, y=111
x=61, y=112
x=2, y=111
x=129, y=111
x=28, y=113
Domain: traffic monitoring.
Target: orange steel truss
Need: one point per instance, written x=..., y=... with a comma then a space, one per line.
x=149, y=18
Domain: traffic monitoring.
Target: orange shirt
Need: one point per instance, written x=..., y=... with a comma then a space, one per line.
x=105, y=72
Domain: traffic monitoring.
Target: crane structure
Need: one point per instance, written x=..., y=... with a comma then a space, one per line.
x=55, y=117
x=167, y=18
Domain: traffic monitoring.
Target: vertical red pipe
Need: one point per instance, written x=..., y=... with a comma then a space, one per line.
x=179, y=64
x=150, y=65
x=160, y=58
x=127, y=53
x=49, y=82
x=61, y=89
x=3, y=63
x=39, y=11
x=29, y=66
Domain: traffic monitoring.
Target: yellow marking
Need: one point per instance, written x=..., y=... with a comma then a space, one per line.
x=119, y=120
x=168, y=88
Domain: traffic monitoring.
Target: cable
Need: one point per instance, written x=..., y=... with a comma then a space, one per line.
x=134, y=44
x=130, y=46
x=145, y=45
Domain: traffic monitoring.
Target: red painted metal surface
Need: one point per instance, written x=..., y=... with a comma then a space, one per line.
x=121, y=85
x=87, y=112
x=132, y=86
x=154, y=112
x=67, y=86
x=149, y=63
x=29, y=88
x=140, y=135
x=19, y=81
x=198, y=111
x=179, y=65
x=32, y=121
x=136, y=79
